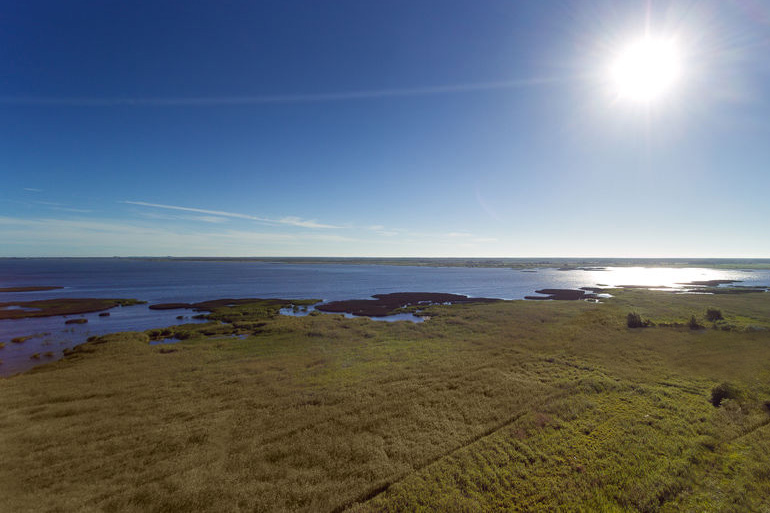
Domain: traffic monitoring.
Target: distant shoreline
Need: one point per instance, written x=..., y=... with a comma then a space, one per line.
x=510, y=263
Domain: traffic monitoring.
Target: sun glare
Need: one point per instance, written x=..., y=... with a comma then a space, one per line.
x=646, y=69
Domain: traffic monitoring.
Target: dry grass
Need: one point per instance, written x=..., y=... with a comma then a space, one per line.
x=513, y=405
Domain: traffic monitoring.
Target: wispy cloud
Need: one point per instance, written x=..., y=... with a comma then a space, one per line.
x=48, y=236
x=198, y=210
x=32, y=189
x=184, y=217
x=62, y=207
x=304, y=223
x=277, y=99
x=44, y=236
x=290, y=220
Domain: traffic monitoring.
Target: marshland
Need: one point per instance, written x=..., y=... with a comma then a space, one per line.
x=487, y=406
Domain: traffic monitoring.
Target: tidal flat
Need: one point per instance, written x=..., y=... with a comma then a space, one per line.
x=506, y=405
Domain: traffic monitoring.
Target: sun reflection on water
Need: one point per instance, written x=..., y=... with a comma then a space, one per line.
x=664, y=277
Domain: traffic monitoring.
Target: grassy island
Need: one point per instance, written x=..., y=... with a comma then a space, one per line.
x=507, y=405
x=61, y=306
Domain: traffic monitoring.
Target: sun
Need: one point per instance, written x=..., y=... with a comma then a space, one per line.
x=646, y=69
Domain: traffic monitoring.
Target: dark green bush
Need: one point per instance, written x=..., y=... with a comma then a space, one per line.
x=714, y=314
x=724, y=391
x=634, y=320
x=693, y=324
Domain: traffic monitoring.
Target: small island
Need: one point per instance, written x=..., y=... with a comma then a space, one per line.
x=62, y=306
x=28, y=289
x=389, y=304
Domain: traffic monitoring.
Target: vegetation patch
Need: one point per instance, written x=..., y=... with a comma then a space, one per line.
x=726, y=391
x=388, y=304
x=711, y=283
x=27, y=289
x=693, y=323
x=211, y=305
x=503, y=406
x=634, y=320
x=728, y=290
x=714, y=314
x=562, y=294
x=62, y=306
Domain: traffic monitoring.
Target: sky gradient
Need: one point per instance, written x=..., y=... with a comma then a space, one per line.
x=370, y=128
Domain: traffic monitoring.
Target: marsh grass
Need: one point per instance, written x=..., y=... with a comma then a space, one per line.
x=503, y=406
x=61, y=306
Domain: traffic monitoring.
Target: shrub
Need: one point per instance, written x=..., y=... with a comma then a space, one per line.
x=634, y=320
x=693, y=323
x=724, y=391
x=714, y=314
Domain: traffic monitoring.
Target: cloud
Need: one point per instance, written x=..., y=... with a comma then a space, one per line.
x=184, y=217
x=198, y=210
x=277, y=99
x=62, y=207
x=304, y=223
x=32, y=189
x=50, y=236
x=290, y=220
x=57, y=237
x=208, y=219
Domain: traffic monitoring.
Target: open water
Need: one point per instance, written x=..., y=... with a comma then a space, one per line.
x=162, y=281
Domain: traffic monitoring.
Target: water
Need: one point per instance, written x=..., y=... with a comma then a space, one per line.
x=161, y=281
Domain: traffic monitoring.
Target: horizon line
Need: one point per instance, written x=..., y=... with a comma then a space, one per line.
x=287, y=257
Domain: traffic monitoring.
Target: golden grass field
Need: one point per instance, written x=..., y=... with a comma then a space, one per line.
x=508, y=406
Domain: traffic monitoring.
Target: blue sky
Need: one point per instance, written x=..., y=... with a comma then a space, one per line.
x=380, y=128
